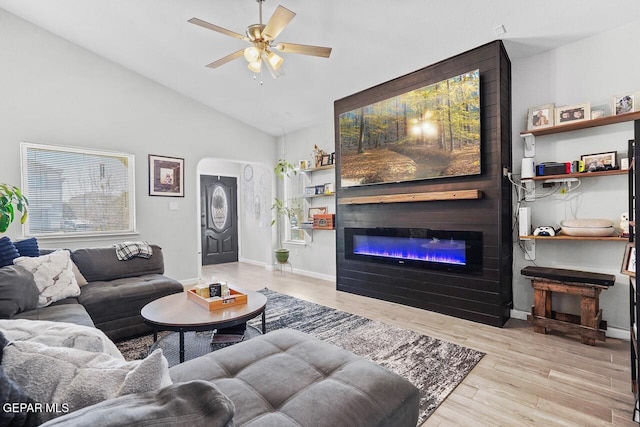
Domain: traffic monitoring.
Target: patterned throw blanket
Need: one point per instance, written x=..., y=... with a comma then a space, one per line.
x=128, y=250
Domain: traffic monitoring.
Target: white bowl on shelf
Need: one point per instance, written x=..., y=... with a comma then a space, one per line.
x=587, y=227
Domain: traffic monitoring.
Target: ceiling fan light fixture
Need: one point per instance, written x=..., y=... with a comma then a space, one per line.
x=255, y=66
x=275, y=60
x=275, y=73
x=252, y=54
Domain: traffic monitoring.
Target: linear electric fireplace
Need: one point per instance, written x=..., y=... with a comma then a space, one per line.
x=455, y=251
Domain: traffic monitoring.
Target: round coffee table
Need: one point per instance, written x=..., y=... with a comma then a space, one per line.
x=178, y=313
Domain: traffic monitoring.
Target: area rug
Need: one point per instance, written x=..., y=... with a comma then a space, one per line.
x=434, y=366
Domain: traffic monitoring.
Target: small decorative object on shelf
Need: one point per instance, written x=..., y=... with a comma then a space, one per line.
x=328, y=188
x=317, y=154
x=324, y=221
x=599, y=161
x=625, y=103
x=541, y=116
x=573, y=113
x=624, y=224
x=316, y=211
x=629, y=260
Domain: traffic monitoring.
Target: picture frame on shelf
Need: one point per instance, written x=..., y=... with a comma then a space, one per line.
x=623, y=104
x=572, y=114
x=166, y=176
x=303, y=164
x=316, y=211
x=597, y=114
x=541, y=116
x=319, y=189
x=329, y=188
x=309, y=191
x=326, y=160
x=599, y=161
x=629, y=260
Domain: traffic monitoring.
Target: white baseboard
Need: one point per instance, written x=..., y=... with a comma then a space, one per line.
x=327, y=277
x=622, y=334
x=186, y=283
x=252, y=261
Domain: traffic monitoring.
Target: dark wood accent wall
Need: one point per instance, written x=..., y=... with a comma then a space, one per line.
x=487, y=297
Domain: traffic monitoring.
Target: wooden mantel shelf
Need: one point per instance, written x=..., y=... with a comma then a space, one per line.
x=413, y=197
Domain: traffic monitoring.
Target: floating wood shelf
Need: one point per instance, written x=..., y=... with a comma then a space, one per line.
x=565, y=237
x=603, y=121
x=412, y=197
x=581, y=175
x=319, y=168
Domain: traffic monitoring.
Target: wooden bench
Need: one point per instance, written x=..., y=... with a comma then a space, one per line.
x=589, y=323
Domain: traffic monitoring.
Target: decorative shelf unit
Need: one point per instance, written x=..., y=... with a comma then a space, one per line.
x=530, y=138
x=308, y=229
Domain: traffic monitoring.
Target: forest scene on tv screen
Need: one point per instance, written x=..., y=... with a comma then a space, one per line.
x=430, y=132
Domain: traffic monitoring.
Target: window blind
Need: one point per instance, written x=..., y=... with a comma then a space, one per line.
x=75, y=191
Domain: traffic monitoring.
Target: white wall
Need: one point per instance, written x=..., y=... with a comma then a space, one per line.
x=316, y=258
x=54, y=92
x=592, y=70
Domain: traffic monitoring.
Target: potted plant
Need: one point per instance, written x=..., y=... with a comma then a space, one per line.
x=11, y=199
x=282, y=169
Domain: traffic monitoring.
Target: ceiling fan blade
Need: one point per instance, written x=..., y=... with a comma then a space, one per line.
x=209, y=26
x=228, y=58
x=304, y=49
x=280, y=18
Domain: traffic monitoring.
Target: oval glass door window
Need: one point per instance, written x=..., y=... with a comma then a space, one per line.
x=219, y=211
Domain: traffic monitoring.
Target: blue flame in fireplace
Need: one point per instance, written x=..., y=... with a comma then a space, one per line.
x=411, y=248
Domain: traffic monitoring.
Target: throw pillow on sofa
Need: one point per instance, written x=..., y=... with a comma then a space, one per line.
x=8, y=251
x=75, y=379
x=60, y=334
x=18, y=291
x=53, y=274
x=27, y=247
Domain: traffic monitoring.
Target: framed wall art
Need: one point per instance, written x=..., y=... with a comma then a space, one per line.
x=166, y=176
x=629, y=260
x=540, y=117
x=572, y=114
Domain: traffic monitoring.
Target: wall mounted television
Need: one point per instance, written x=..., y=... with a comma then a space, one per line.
x=430, y=132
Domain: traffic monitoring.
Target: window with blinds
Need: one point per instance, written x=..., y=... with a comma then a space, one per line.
x=75, y=191
x=293, y=188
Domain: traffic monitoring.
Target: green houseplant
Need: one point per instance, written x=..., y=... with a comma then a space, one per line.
x=283, y=169
x=11, y=200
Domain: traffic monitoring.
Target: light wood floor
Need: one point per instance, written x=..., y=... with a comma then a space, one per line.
x=524, y=379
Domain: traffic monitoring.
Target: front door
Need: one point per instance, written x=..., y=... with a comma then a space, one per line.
x=219, y=229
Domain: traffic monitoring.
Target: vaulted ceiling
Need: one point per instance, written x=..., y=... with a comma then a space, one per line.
x=373, y=41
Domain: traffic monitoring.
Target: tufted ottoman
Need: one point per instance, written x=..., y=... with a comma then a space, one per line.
x=288, y=378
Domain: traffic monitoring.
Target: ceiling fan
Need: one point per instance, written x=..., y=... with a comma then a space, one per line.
x=262, y=37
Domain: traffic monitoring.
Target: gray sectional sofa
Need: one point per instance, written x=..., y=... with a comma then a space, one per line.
x=114, y=295
x=283, y=378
